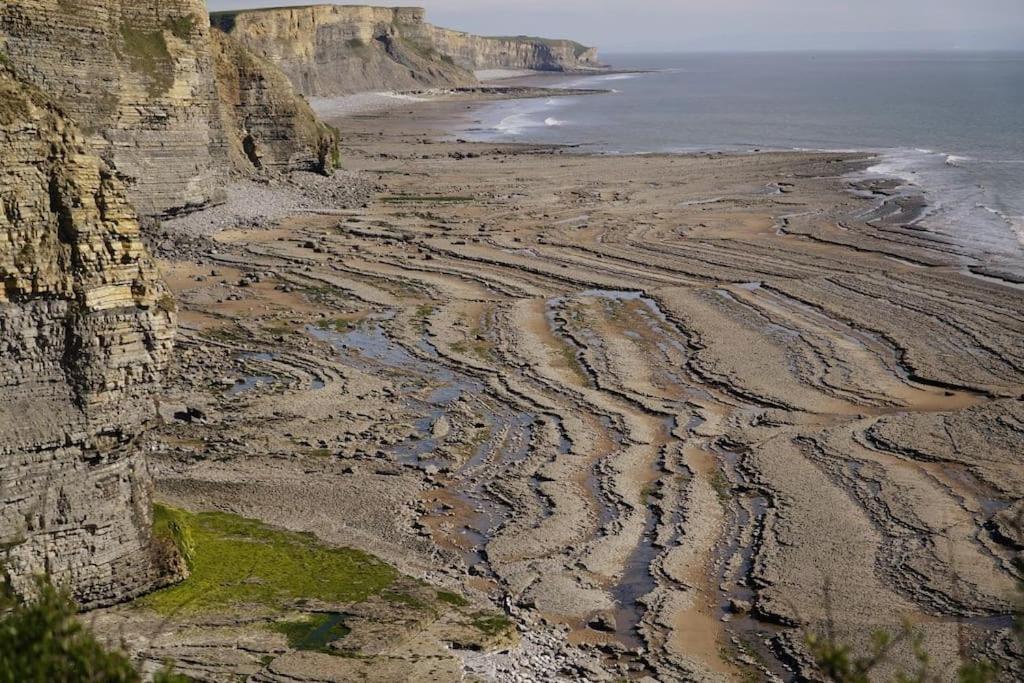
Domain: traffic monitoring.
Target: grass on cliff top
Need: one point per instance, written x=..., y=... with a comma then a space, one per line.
x=237, y=562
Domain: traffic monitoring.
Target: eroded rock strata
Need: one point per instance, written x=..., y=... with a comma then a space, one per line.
x=85, y=332
x=329, y=50
x=171, y=106
x=138, y=78
x=671, y=414
x=514, y=52
x=268, y=126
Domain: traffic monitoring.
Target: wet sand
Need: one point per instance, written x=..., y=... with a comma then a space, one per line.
x=671, y=413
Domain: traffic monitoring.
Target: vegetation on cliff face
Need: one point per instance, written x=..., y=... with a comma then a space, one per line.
x=181, y=27
x=148, y=54
x=269, y=126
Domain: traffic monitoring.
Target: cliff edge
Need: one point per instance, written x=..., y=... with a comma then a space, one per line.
x=329, y=50
x=167, y=103
x=137, y=77
x=268, y=126
x=86, y=331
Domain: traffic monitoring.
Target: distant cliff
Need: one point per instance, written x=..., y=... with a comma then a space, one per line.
x=514, y=52
x=329, y=50
x=268, y=126
x=335, y=49
x=85, y=332
x=140, y=79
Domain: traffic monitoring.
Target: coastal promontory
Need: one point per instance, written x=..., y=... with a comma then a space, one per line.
x=329, y=50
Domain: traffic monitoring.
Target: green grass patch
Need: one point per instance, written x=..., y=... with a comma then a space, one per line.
x=240, y=562
x=172, y=526
x=280, y=327
x=226, y=335
x=181, y=27
x=167, y=304
x=571, y=360
x=421, y=316
x=480, y=349
x=405, y=599
x=450, y=598
x=323, y=294
x=424, y=49
x=314, y=633
x=335, y=155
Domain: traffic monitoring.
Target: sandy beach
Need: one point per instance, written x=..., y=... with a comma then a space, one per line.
x=670, y=414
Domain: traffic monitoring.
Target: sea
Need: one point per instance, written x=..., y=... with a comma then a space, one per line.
x=949, y=123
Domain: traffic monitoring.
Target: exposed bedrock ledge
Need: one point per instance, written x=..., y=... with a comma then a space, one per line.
x=86, y=330
x=330, y=49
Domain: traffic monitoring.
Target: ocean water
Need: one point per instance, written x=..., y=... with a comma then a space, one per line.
x=950, y=123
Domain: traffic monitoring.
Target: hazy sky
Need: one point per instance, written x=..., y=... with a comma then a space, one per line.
x=678, y=25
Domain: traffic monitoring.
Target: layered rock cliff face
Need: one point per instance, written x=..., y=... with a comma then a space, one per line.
x=268, y=126
x=138, y=77
x=85, y=334
x=330, y=49
x=144, y=80
x=514, y=52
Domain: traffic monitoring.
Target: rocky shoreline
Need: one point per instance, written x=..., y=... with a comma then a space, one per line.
x=668, y=414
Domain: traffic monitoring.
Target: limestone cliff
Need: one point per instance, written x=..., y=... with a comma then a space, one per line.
x=514, y=52
x=138, y=78
x=335, y=49
x=329, y=49
x=142, y=78
x=85, y=334
x=268, y=126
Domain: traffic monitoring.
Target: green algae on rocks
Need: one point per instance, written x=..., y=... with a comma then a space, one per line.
x=314, y=633
x=237, y=562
